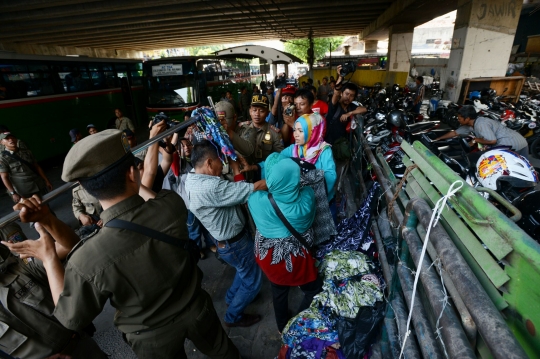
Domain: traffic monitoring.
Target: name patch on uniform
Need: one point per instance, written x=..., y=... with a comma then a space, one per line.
x=23, y=292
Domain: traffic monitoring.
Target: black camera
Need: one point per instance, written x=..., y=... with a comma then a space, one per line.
x=280, y=82
x=289, y=111
x=163, y=117
x=347, y=68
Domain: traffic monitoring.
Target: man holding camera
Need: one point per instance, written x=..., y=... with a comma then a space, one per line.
x=341, y=109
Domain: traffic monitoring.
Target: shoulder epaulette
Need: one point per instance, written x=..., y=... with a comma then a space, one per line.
x=275, y=129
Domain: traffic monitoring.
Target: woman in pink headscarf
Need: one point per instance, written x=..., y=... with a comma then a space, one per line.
x=309, y=146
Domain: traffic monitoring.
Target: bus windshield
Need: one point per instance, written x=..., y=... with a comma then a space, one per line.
x=171, y=83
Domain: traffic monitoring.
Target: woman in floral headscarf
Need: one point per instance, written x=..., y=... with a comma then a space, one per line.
x=310, y=147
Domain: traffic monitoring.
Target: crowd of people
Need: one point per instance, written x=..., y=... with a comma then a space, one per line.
x=146, y=218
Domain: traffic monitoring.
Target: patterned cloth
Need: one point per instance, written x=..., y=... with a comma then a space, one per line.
x=284, y=260
x=323, y=226
x=353, y=233
x=314, y=127
x=308, y=324
x=212, y=129
x=346, y=297
x=338, y=265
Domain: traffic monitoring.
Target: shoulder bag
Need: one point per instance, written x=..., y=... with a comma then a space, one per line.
x=188, y=245
x=287, y=224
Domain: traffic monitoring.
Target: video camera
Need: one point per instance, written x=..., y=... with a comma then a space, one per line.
x=347, y=68
x=163, y=117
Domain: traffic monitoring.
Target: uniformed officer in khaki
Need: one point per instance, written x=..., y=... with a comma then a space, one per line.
x=267, y=138
x=27, y=327
x=86, y=208
x=155, y=286
x=19, y=170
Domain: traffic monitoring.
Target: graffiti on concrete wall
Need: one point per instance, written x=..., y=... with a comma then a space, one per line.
x=497, y=9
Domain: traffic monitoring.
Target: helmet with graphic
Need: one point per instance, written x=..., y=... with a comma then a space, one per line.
x=504, y=165
x=508, y=115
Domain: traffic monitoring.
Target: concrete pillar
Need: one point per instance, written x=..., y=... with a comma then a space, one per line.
x=370, y=46
x=274, y=70
x=400, y=41
x=482, y=41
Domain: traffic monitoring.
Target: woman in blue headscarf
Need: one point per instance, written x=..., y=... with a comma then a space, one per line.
x=284, y=260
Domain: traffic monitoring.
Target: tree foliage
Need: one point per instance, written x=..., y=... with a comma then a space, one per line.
x=321, y=46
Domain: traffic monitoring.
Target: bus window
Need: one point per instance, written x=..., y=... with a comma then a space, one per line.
x=136, y=74
x=110, y=77
x=75, y=78
x=26, y=84
x=121, y=70
x=171, y=84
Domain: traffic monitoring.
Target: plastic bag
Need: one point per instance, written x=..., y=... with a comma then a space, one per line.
x=356, y=335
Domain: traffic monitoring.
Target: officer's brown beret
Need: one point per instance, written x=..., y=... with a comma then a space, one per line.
x=94, y=155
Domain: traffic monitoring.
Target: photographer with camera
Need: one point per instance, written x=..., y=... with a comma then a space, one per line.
x=154, y=171
x=341, y=108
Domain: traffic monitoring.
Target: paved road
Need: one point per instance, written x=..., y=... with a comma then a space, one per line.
x=260, y=341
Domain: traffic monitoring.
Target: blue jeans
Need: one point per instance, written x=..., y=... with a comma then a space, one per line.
x=248, y=279
x=196, y=231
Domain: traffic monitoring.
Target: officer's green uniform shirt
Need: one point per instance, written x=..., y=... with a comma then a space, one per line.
x=25, y=181
x=149, y=282
x=266, y=141
x=27, y=328
x=84, y=203
x=244, y=141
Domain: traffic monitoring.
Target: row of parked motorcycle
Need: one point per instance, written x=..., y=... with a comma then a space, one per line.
x=389, y=121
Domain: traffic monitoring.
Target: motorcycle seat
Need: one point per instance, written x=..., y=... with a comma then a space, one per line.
x=422, y=126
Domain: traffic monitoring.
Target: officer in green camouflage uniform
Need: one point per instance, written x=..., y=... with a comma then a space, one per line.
x=28, y=328
x=155, y=286
x=19, y=170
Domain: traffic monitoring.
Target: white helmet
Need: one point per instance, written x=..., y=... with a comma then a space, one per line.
x=495, y=164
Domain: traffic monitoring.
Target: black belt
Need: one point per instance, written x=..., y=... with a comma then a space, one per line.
x=234, y=239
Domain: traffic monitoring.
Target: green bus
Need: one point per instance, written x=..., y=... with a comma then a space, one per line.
x=43, y=97
x=177, y=85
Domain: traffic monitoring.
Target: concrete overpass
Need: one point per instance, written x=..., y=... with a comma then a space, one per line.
x=135, y=25
x=481, y=44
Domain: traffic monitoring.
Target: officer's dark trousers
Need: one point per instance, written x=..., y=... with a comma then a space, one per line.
x=200, y=324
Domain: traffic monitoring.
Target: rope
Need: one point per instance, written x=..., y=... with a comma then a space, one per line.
x=398, y=189
x=437, y=211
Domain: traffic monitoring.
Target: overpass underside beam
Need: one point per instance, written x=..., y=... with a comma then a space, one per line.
x=482, y=41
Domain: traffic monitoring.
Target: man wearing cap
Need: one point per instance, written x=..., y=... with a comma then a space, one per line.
x=20, y=172
x=122, y=122
x=75, y=135
x=92, y=129
x=323, y=90
x=154, y=285
x=267, y=138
